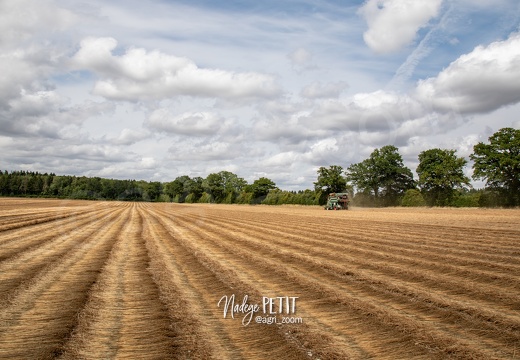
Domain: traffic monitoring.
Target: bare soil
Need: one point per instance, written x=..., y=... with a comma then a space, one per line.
x=119, y=280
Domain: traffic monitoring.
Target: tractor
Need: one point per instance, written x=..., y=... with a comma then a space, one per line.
x=337, y=201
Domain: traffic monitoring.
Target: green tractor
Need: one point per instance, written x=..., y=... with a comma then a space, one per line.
x=337, y=201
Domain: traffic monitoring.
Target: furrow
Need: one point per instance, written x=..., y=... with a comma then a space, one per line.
x=442, y=342
x=22, y=267
x=328, y=332
x=124, y=317
x=33, y=236
x=498, y=329
x=120, y=280
x=442, y=235
x=202, y=285
x=41, y=316
x=33, y=220
x=191, y=336
x=495, y=290
x=403, y=239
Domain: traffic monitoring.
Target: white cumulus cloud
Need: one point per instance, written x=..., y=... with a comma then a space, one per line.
x=129, y=137
x=283, y=160
x=21, y=20
x=483, y=80
x=46, y=114
x=376, y=111
x=141, y=75
x=393, y=24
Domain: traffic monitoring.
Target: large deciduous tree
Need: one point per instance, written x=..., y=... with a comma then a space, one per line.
x=261, y=187
x=499, y=163
x=223, y=186
x=440, y=173
x=193, y=187
x=383, y=174
x=330, y=180
x=176, y=188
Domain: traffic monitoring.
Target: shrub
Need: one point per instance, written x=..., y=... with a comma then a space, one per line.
x=491, y=198
x=273, y=197
x=229, y=199
x=190, y=198
x=413, y=197
x=244, y=198
x=470, y=199
x=205, y=198
x=164, y=198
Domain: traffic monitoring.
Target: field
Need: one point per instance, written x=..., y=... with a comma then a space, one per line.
x=100, y=280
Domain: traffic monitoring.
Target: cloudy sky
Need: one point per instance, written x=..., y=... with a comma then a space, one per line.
x=157, y=89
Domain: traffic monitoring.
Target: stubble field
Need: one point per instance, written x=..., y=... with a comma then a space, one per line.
x=107, y=280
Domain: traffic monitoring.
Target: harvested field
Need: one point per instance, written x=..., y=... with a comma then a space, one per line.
x=93, y=280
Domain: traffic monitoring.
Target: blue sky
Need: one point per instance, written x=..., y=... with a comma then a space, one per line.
x=158, y=89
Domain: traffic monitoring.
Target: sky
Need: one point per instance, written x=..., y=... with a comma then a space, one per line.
x=152, y=90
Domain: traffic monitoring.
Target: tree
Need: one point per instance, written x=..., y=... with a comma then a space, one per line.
x=176, y=188
x=223, y=186
x=413, y=197
x=261, y=187
x=383, y=174
x=153, y=189
x=194, y=188
x=4, y=182
x=361, y=175
x=330, y=180
x=441, y=172
x=499, y=163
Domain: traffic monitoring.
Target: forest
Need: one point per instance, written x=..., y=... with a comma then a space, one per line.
x=380, y=180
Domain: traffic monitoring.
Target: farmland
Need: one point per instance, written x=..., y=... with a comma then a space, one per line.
x=91, y=280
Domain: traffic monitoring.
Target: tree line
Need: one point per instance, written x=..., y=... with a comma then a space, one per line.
x=35, y=184
x=380, y=180
x=383, y=180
